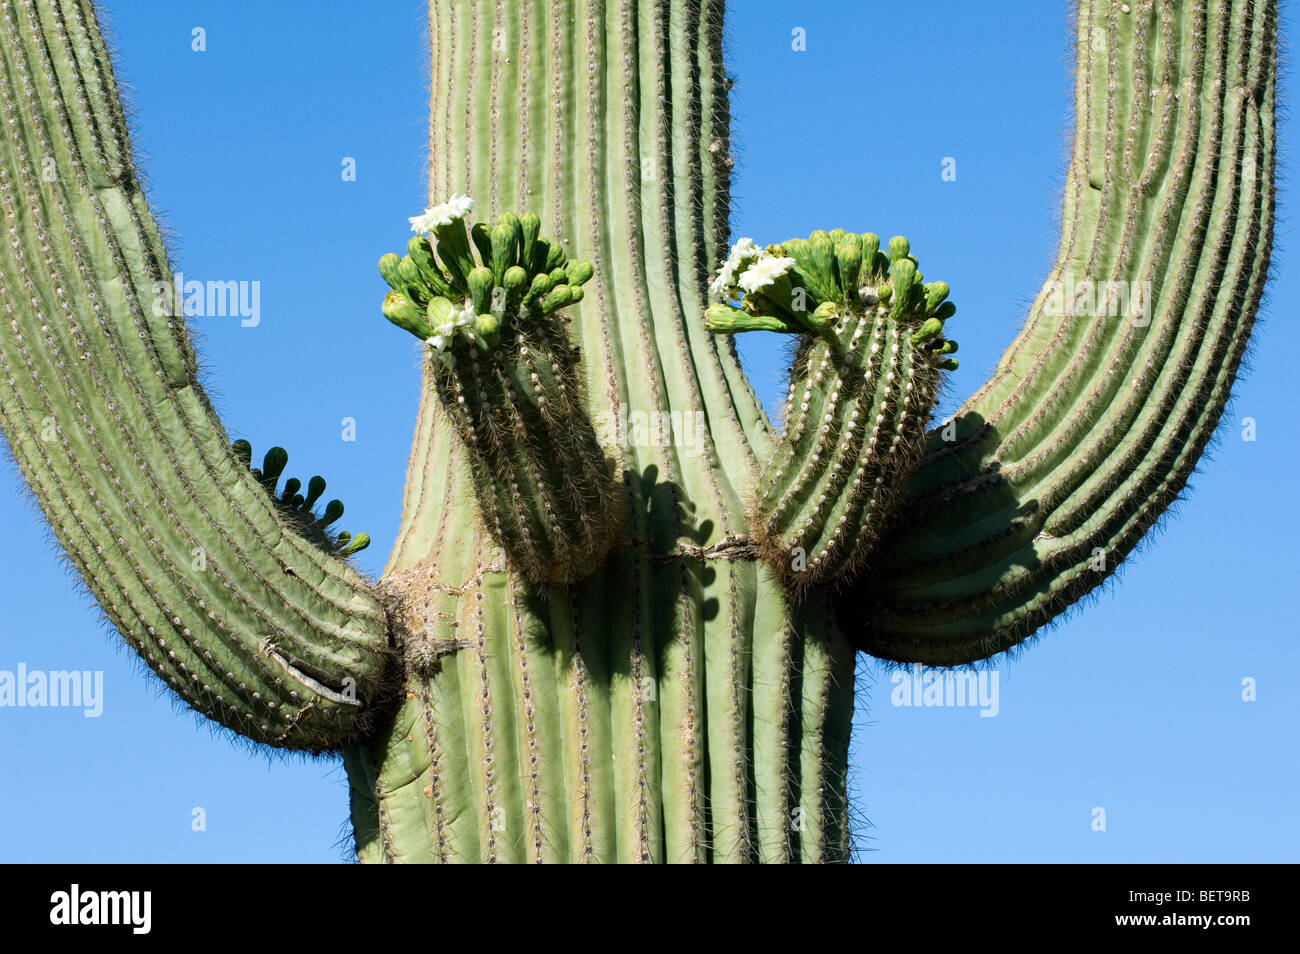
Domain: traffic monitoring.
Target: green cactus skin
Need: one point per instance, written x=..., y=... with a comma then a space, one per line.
x=679, y=700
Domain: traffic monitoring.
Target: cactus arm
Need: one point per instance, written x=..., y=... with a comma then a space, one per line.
x=178, y=542
x=862, y=383
x=1091, y=426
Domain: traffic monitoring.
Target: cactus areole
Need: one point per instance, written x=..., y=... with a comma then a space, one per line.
x=631, y=650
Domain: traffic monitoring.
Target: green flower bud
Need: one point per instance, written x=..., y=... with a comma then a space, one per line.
x=821, y=249
x=480, y=289
x=291, y=487
x=420, y=252
x=948, y=364
x=945, y=311
x=848, y=260
x=555, y=258
x=729, y=320
x=333, y=510
x=559, y=297
x=537, y=260
x=406, y=314
x=515, y=282
x=481, y=234
x=930, y=328
x=538, y=290
x=949, y=347
x=898, y=248
x=578, y=273
x=243, y=452
x=813, y=271
x=870, y=246
x=530, y=226
x=315, y=487
x=409, y=273
x=824, y=315
x=511, y=221
x=388, y=268
x=273, y=465
x=935, y=293
x=487, y=326
x=440, y=312
x=902, y=276
x=454, y=253
x=504, y=241
x=356, y=544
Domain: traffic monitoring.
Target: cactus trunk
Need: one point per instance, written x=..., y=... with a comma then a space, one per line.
x=669, y=707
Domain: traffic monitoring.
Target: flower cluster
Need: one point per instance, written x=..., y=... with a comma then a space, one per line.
x=816, y=285
x=464, y=285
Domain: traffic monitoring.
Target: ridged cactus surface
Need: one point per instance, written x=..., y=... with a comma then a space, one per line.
x=630, y=649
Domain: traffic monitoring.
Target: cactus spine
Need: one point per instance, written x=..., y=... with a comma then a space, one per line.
x=610, y=656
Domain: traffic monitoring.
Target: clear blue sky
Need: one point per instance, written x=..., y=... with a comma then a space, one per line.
x=1133, y=705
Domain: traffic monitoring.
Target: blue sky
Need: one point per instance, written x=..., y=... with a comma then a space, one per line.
x=1133, y=705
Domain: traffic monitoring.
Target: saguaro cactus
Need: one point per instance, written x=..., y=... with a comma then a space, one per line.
x=628, y=651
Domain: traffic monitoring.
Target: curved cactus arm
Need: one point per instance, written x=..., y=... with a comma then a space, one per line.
x=1101, y=407
x=862, y=384
x=178, y=541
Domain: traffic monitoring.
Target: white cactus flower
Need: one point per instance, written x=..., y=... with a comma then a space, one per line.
x=742, y=254
x=457, y=207
x=465, y=316
x=764, y=272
